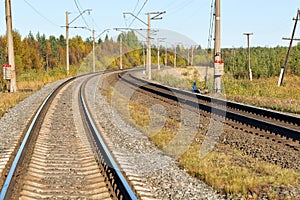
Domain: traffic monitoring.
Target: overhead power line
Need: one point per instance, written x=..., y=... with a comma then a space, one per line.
x=139, y=12
x=211, y=25
x=75, y=1
x=137, y=3
x=40, y=14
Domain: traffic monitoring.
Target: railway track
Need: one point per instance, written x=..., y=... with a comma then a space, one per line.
x=279, y=127
x=58, y=159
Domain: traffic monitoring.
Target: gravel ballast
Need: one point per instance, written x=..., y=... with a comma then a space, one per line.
x=15, y=121
x=160, y=172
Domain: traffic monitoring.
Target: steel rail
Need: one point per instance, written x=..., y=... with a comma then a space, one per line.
x=113, y=171
x=248, y=108
x=20, y=153
x=216, y=108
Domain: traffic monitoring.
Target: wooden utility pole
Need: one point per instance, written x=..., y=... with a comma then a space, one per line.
x=192, y=58
x=67, y=43
x=67, y=35
x=94, y=60
x=121, y=51
x=10, y=44
x=166, y=55
x=283, y=69
x=188, y=57
x=156, y=17
x=175, y=53
x=233, y=60
x=158, y=52
x=149, y=48
x=218, y=62
x=158, y=62
x=144, y=57
x=249, y=65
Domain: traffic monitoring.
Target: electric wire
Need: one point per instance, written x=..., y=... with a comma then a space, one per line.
x=75, y=1
x=137, y=3
x=40, y=14
x=138, y=12
x=211, y=27
x=180, y=7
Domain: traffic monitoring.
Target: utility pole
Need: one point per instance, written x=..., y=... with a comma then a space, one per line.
x=144, y=57
x=158, y=64
x=166, y=55
x=218, y=63
x=67, y=42
x=188, y=57
x=155, y=17
x=93, y=38
x=121, y=53
x=175, y=57
x=67, y=36
x=283, y=69
x=149, y=49
x=10, y=44
x=192, y=58
x=249, y=66
x=233, y=59
x=93, y=43
x=158, y=48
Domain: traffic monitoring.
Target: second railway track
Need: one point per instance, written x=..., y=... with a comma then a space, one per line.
x=270, y=124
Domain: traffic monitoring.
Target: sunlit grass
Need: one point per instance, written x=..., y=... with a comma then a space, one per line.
x=29, y=82
x=262, y=92
x=227, y=170
x=265, y=93
x=234, y=173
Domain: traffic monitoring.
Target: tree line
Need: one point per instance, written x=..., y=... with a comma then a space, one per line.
x=264, y=61
x=43, y=54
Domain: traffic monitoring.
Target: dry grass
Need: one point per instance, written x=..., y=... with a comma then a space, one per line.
x=9, y=100
x=228, y=171
x=27, y=83
x=236, y=174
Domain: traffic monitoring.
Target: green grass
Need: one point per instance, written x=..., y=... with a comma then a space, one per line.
x=265, y=93
x=262, y=92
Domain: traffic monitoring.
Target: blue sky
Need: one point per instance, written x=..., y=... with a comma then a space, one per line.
x=268, y=20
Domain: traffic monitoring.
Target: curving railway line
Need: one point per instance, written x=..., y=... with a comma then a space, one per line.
x=64, y=155
x=60, y=159
x=276, y=126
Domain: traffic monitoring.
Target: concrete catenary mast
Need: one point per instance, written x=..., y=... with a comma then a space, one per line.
x=218, y=62
x=10, y=44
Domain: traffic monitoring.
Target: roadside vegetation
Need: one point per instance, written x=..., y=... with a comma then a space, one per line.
x=265, y=93
x=262, y=92
x=38, y=59
x=227, y=170
x=29, y=83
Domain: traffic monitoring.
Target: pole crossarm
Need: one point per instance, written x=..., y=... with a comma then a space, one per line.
x=105, y=30
x=82, y=27
x=86, y=10
x=157, y=14
x=296, y=39
x=67, y=34
x=129, y=13
x=156, y=17
x=136, y=30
